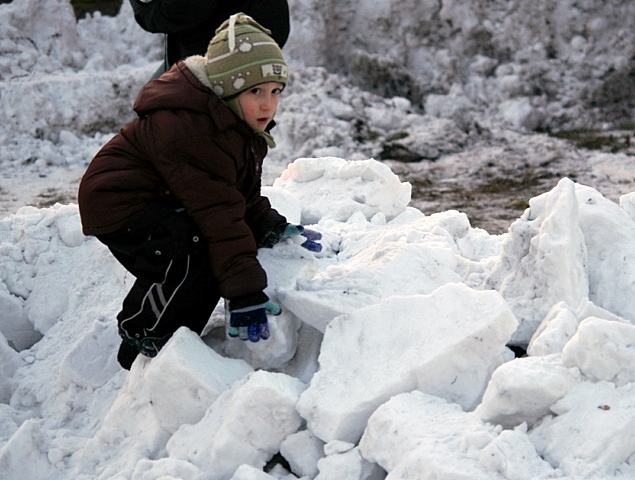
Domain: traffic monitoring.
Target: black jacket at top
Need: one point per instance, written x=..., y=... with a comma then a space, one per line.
x=191, y=24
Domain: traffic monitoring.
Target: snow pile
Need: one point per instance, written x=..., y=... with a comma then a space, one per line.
x=533, y=64
x=67, y=86
x=390, y=354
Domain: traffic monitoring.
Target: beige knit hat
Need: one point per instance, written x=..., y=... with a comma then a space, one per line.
x=242, y=55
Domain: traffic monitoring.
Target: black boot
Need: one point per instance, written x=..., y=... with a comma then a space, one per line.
x=127, y=354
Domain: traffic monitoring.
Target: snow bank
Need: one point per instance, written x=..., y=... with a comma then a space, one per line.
x=390, y=359
x=396, y=326
x=443, y=350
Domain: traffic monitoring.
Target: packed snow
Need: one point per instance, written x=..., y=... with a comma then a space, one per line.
x=399, y=352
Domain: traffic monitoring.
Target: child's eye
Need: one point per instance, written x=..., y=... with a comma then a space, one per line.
x=255, y=90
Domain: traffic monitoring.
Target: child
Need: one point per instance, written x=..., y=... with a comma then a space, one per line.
x=175, y=195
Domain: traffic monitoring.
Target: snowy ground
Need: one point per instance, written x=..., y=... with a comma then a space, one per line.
x=62, y=84
x=390, y=359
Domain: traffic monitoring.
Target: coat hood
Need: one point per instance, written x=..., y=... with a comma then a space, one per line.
x=183, y=87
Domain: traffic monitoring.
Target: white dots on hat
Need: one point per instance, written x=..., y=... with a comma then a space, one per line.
x=245, y=46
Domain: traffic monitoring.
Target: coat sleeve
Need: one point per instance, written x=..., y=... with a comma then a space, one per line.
x=263, y=220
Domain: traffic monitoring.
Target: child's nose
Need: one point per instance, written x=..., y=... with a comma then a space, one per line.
x=268, y=102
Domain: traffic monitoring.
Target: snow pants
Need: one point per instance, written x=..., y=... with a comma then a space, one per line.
x=166, y=253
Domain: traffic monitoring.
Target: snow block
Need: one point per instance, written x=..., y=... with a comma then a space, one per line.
x=247, y=472
x=546, y=242
x=554, y=332
x=319, y=307
x=603, y=350
x=164, y=469
x=446, y=343
x=91, y=362
x=246, y=425
x=412, y=257
x=45, y=305
x=10, y=361
x=627, y=202
x=129, y=431
x=609, y=232
x=159, y=396
x=14, y=324
x=186, y=377
x=415, y=435
x=302, y=450
x=285, y=202
x=348, y=464
x=331, y=187
x=25, y=454
x=561, y=323
x=597, y=421
x=523, y=390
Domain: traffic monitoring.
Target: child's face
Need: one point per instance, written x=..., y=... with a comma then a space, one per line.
x=259, y=104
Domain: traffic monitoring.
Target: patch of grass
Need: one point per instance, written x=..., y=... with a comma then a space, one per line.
x=505, y=185
x=492, y=201
x=51, y=196
x=616, y=141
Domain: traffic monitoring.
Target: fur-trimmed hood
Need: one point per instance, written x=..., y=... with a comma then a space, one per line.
x=196, y=64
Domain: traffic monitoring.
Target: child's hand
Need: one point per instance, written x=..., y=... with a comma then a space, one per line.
x=311, y=243
x=250, y=323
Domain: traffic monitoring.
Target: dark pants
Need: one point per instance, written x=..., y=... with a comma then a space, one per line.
x=164, y=249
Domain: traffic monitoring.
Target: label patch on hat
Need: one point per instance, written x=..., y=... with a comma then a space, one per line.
x=274, y=70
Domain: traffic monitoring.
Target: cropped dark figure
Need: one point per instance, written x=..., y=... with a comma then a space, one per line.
x=188, y=25
x=175, y=195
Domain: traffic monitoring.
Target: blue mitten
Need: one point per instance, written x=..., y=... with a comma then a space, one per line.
x=311, y=243
x=250, y=323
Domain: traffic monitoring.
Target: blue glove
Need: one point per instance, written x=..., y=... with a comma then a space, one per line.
x=250, y=323
x=311, y=243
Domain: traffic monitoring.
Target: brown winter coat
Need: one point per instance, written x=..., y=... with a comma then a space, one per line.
x=189, y=150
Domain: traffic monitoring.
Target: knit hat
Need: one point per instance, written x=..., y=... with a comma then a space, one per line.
x=242, y=55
